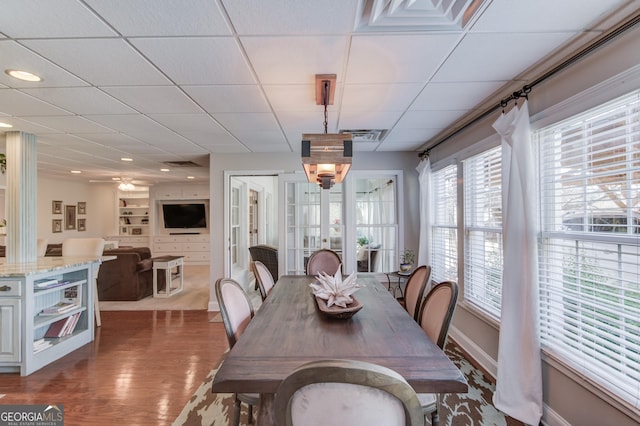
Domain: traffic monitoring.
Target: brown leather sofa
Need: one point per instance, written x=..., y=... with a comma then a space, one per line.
x=128, y=277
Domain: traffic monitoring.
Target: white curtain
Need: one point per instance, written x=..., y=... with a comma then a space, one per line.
x=519, y=382
x=424, y=179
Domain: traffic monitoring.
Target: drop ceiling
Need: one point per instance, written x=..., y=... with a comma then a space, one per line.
x=164, y=81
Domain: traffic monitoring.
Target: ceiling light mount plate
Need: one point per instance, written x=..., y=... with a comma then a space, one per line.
x=325, y=84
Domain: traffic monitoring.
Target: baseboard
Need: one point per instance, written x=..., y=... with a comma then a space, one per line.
x=213, y=306
x=484, y=361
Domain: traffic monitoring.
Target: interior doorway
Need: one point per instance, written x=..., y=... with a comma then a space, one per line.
x=251, y=218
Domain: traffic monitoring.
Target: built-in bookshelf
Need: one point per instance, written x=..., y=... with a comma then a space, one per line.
x=51, y=313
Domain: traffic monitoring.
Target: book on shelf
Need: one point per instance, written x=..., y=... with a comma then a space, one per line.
x=48, y=283
x=59, y=308
x=63, y=327
x=40, y=345
x=73, y=295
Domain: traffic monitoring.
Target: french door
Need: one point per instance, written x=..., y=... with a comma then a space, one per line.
x=313, y=219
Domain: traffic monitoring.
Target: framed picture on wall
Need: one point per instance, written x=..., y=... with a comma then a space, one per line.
x=56, y=225
x=70, y=217
x=82, y=225
x=82, y=207
x=56, y=207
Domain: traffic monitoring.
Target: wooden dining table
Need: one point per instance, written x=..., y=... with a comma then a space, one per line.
x=289, y=330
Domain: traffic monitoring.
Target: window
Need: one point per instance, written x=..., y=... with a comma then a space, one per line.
x=483, y=230
x=589, y=261
x=444, y=233
x=376, y=224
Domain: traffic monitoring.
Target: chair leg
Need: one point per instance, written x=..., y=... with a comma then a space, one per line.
x=435, y=417
x=236, y=412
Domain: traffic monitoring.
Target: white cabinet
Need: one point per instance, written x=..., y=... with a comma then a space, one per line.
x=10, y=321
x=194, y=248
x=39, y=325
x=130, y=241
x=133, y=212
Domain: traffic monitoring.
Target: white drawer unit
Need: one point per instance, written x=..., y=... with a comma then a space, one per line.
x=194, y=248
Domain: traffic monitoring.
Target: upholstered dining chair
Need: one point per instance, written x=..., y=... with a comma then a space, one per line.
x=414, y=290
x=346, y=392
x=263, y=277
x=87, y=247
x=435, y=317
x=323, y=260
x=236, y=311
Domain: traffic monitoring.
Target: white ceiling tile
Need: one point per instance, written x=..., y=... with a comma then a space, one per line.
x=306, y=121
x=495, y=57
x=163, y=17
x=379, y=97
x=13, y=102
x=459, y=95
x=296, y=60
x=155, y=99
x=410, y=136
x=15, y=56
x=567, y=15
x=26, y=126
x=69, y=124
x=292, y=17
x=301, y=97
x=397, y=58
x=199, y=128
x=258, y=141
x=235, y=98
x=45, y=18
x=128, y=124
x=247, y=121
x=108, y=62
x=429, y=119
x=369, y=119
x=81, y=100
x=198, y=60
x=115, y=140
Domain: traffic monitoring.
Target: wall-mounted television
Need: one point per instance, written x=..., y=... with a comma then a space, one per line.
x=181, y=216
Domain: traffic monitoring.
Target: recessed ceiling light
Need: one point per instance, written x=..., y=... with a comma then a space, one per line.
x=5, y=125
x=165, y=170
x=77, y=172
x=191, y=177
x=126, y=159
x=115, y=178
x=23, y=75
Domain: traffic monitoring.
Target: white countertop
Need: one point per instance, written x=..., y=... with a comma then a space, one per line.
x=45, y=264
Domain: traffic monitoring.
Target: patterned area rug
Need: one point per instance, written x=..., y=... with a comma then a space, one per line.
x=472, y=408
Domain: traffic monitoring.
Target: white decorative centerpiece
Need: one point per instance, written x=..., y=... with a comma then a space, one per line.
x=334, y=295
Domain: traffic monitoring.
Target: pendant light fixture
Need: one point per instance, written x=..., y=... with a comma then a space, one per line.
x=326, y=157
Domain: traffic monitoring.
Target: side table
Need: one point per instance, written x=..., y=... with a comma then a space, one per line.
x=167, y=263
x=401, y=276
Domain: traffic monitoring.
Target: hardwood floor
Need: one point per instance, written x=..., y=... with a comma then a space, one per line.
x=141, y=369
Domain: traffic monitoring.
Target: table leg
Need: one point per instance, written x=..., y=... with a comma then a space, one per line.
x=266, y=412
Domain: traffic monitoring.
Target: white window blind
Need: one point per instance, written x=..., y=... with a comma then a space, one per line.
x=444, y=234
x=483, y=230
x=590, y=254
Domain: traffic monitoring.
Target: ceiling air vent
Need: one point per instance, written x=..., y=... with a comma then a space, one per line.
x=366, y=135
x=181, y=164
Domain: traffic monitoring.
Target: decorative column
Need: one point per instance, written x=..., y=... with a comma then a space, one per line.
x=21, y=198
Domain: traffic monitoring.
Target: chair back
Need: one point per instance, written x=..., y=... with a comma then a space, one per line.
x=41, y=247
x=264, y=278
x=323, y=260
x=235, y=308
x=346, y=392
x=414, y=289
x=268, y=255
x=83, y=247
x=437, y=311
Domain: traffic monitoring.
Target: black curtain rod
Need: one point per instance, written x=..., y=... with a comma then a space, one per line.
x=526, y=89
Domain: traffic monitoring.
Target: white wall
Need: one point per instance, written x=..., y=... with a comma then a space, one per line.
x=101, y=208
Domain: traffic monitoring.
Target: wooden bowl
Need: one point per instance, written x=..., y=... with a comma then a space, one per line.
x=339, y=312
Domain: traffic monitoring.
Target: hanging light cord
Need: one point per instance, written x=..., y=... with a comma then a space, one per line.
x=325, y=101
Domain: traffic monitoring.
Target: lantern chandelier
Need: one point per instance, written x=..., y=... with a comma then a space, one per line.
x=326, y=157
